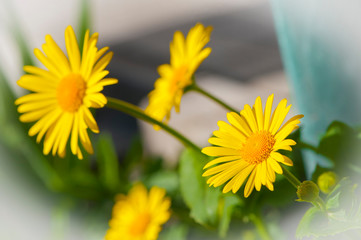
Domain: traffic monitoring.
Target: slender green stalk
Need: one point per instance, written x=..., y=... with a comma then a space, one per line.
x=196, y=88
x=139, y=113
x=319, y=203
x=290, y=177
x=261, y=228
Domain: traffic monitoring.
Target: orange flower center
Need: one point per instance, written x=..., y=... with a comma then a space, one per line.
x=258, y=147
x=178, y=79
x=140, y=224
x=70, y=92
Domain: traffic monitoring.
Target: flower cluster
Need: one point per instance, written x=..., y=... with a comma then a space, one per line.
x=245, y=150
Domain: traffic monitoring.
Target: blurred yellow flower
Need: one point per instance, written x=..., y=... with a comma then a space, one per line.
x=63, y=94
x=139, y=216
x=248, y=147
x=185, y=57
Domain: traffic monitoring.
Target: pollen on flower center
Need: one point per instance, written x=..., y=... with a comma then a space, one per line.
x=258, y=147
x=140, y=224
x=179, y=75
x=70, y=92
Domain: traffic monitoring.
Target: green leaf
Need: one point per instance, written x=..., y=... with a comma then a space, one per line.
x=333, y=202
x=134, y=155
x=8, y=111
x=342, y=146
x=201, y=199
x=337, y=137
x=174, y=232
x=229, y=202
x=164, y=179
x=14, y=135
x=333, y=198
x=312, y=219
x=108, y=163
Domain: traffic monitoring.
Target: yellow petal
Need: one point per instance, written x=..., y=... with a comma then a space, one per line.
x=250, y=118
x=34, y=106
x=89, y=120
x=285, y=132
x=34, y=97
x=259, y=113
x=225, y=143
x=48, y=63
x=267, y=112
x=72, y=49
x=250, y=184
x=74, y=136
x=236, y=182
x=269, y=186
x=37, y=84
x=224, y=166
x=276, y=117
x=275, y=166
x=270, y=172
x=226, y=175
x=240, y=180
x=103, y=62
x=225, y=127
x=53, y=51
x=237, y=121
x=95, y=78
x=221, y=160
x=68, y=124
x=264, y=172
x=52, y=135
x=35, y=115
x=220, y=151
x=41, y=73
x=258, y=177
x=45, y=122
x=228, y=136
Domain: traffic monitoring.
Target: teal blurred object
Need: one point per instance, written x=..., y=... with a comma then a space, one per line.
x=320, y=44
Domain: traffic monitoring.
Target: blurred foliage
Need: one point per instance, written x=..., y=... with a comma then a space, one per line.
x=202, y=200
x=343, y=213
x=93, y=182
x=174, y=232
x=108, y=164
x=341, y=144
x=342, y=217
x=208, y=205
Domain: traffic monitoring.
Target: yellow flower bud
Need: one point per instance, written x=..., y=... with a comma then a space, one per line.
x=307, y=191
x=327, y=181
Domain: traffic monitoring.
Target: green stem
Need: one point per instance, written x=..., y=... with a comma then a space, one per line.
x=196, y=88
x=139, y=113
x=261, y=228
x=290, y=177
x=319, y=203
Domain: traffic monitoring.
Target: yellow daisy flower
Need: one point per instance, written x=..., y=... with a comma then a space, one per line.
x=185, y=57
x=248, y=147
x=139, y=216
x=62, y=95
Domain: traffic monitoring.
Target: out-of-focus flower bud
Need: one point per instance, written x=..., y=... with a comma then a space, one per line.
x=327, y=181
x=307, y=191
